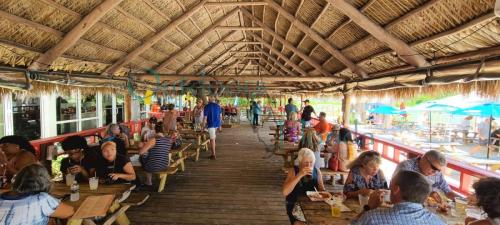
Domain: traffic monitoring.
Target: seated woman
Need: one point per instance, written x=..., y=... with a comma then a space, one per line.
x=299, y=180
x=81, y=161
x=488, y=198
x=148, y=132
x=28, y=201
x=114, y=134
x=292, y=128
x=16, y=153
x=114, y=168
x=311, y=141
x=154, y=154
x=364, y=175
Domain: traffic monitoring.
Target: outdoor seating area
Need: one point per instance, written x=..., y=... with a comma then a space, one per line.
x=301, y=112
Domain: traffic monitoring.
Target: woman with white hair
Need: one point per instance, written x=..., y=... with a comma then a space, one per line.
x=301, y=179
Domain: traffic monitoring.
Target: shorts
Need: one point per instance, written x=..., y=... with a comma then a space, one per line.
x=212, y=132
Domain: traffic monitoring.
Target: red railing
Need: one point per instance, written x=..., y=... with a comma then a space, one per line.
x=134, y=126
x=396, y=152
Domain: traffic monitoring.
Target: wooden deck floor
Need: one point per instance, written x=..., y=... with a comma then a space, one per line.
x=243, y=186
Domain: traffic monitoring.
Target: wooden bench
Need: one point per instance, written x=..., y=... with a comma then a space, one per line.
x=329, y=172
x=163, y=176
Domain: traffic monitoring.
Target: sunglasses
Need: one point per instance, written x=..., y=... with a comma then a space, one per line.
x=432, y=166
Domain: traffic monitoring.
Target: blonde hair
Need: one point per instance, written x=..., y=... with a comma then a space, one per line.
x=365, y=158
x=304, y=153
x=111, y=143
x=309, y=140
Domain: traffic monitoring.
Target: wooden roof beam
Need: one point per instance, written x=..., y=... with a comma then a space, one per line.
x=152, y=40
x=287, y=44
x=221, y=56
x=244, y=42
x=318, y=39
x=275, y=51
x=223, y=4
x=246, y=57
x=70, y=39
x=244, y=67
x=208, y=50
x=277, y=62
x=197, y=39
x=239, y=28
x=247, y=52
x=400, y=47
x=250, y=78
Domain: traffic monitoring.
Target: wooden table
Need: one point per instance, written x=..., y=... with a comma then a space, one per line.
x=319, y=213
x=121, y=192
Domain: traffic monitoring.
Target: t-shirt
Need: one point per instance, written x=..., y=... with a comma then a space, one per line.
x=289, y=108
x=89, y=161
x=306, y=113
x=212, y=111
x=323, y=128
x=31, y=209
x=105, y=168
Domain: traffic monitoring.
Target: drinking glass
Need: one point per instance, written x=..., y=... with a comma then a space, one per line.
x=69, y=179
x=93, y=183
x=363, y=200
x=460, y=205
x=335, y=210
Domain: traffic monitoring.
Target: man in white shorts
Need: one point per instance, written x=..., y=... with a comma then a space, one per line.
x=212, y=117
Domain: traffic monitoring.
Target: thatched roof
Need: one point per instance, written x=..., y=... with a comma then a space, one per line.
x=324, y=45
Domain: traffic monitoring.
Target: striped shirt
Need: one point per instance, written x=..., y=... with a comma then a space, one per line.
x=406, y=213
x=436, y=180
x=157, y=157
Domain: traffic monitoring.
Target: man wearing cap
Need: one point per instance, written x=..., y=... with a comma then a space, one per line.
x=306, y=114
x=430, y=165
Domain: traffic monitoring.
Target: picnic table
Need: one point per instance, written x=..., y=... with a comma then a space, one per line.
x=319, y=213
x=120, y=192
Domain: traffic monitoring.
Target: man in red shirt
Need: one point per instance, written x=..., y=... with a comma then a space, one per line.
x=322, y=128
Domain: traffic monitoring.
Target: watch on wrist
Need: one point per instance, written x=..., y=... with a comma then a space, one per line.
x=366, y=208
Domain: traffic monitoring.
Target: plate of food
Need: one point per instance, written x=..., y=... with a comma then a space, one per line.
x=318, y=196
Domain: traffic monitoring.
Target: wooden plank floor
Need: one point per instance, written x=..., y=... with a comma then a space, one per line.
x=243, y=186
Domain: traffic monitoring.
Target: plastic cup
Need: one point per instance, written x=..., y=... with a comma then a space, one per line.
x=387, y=196
x=93, y=183
x=460, y=205
x=69, y=179
x=335, y=209
x=363, y=200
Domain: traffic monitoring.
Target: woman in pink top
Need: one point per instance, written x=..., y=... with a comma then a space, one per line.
x=292, y=128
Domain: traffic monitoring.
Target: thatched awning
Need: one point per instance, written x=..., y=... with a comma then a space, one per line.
x=363, y=45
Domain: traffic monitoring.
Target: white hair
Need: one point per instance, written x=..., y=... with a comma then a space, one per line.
x=306, y=153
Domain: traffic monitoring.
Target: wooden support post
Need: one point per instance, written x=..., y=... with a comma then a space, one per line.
x=346, y=107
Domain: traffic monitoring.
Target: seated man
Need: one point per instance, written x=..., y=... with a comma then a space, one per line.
x=81, y=161
x=322, y=128
x=409, y=190
x=430, y=165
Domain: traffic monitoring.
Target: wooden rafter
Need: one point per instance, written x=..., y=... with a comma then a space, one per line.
x=197, y=39
x=278, y=53
x=318, y=39
x=287, y=44
x=400, y=47
x=249, y=78
x=277, y=62
x=206, y=52
x=244, y=42
x=44, y=61
x=224, y=4
x=244, y=67
x=152, y=40
x=238, y=28
x=212, y=21
x=221, y=56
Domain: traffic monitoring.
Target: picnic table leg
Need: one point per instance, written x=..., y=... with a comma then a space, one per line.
x=74, y=222
x=163, y=181
x=182, y=161
x=121, y=218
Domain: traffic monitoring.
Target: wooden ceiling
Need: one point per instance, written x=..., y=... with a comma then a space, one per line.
x=308, y=44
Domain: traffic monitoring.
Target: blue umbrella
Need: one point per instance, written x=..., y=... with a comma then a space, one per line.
x=490, y=110
x=385, y=110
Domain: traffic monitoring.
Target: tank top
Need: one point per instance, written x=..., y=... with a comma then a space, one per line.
x=303, y=186
x=157, y=157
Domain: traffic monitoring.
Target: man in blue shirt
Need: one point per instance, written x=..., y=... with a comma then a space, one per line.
x=430, y=165
x=289, y=108
x=409, y=190
x=212, y=116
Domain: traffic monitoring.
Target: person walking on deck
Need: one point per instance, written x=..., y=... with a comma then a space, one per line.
x=255, y=111
x=307, y=111
x=213, y=114
x=290, y=108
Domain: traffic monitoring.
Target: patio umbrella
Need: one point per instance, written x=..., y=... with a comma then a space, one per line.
x=385, y=110
x=490, y=110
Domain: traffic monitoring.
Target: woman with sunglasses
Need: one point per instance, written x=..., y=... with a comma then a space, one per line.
x=365, y=175
x=430, y=165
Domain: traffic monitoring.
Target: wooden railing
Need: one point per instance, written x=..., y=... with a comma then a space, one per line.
x=396, y=153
